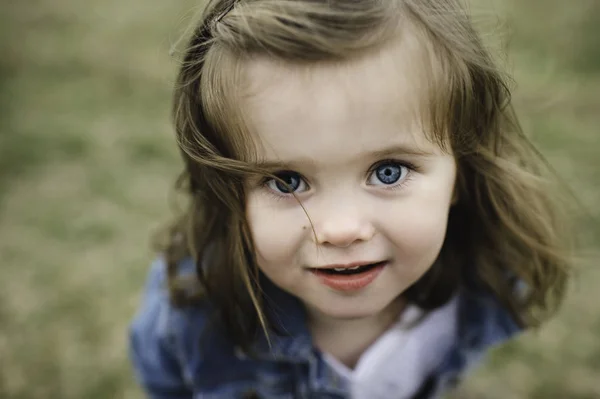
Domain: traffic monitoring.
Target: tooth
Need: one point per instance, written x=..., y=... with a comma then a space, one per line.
x=353, y=268
x=339, y=269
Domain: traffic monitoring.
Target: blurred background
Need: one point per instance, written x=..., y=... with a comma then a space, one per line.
x=87, y=161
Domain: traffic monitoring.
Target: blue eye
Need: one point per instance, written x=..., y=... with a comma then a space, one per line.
x=292, y=179
x=388, y=173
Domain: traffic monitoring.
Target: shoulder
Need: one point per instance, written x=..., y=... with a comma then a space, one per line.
x=156, y=307
x=484, y=322
x=161, y=335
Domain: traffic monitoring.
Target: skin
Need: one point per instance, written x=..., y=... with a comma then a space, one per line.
x=332, y=124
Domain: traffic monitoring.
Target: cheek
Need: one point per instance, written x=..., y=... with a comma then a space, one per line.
x=418, y=232
x=277, y=233
x=424, y=218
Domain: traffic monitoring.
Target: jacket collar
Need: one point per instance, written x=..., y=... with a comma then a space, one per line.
x=289, y=338
x=482, y=323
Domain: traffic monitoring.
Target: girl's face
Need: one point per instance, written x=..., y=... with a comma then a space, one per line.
x=348, y=139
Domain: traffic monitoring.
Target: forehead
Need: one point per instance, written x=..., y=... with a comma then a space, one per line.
x=371, y=101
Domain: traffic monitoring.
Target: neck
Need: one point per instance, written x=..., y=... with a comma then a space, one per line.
x=347, y=339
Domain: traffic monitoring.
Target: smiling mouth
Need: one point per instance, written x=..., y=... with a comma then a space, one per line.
x=348, y=271
x=349, y=278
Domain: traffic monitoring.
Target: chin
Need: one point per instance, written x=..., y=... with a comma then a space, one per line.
x=351, y=310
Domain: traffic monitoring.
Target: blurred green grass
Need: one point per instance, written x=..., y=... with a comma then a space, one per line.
x=87, y=161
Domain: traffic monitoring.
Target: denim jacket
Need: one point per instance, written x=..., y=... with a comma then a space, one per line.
x=171, y=363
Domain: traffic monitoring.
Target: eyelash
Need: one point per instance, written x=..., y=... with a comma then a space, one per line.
x=410, y=166
x=411, y=169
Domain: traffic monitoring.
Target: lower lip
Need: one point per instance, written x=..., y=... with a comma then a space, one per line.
x=352, y=282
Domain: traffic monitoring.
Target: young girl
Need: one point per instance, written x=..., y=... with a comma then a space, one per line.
x=366, y=218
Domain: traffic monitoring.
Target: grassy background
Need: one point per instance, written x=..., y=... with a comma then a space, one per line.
x=87, y=160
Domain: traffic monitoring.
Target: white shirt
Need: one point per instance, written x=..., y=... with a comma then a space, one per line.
x=395, y=366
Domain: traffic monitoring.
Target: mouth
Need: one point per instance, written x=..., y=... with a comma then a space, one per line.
x=348, y=270
x=349, y=277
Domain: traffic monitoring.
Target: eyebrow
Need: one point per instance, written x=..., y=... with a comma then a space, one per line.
x=377, y=154
x=400, y=150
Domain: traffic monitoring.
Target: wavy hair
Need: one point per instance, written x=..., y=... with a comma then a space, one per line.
x=507, y=225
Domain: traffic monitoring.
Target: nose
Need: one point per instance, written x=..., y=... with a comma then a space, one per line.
x=342, y=226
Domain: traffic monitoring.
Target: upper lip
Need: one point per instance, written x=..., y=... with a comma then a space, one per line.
x=346, y=265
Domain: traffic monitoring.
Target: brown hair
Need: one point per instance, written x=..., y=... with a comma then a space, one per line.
x=506, y=226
